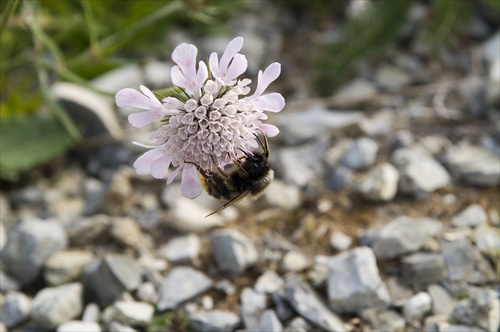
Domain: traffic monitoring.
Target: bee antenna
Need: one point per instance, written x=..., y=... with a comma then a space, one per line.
x=264, y=145
x=247, y=154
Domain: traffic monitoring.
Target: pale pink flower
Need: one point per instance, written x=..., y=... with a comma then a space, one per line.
x=211, y=120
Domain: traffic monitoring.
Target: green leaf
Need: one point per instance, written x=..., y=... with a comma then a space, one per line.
x=27, y=141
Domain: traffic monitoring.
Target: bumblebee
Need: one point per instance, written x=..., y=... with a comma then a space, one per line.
x=250, y=175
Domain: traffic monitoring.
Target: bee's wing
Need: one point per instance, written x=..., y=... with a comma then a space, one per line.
x=236, y=199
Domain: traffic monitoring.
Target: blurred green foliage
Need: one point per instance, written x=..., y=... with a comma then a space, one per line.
x=76, y=40
x=380, y=25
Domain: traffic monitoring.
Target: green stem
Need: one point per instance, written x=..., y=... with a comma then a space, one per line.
x=10, y=8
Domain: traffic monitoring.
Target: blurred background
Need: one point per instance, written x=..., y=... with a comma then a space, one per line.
x=392, y=119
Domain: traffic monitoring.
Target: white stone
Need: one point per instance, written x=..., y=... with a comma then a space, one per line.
x=471, y=216
x=380, y=184
x=294, y=261
x=268, y=282
x=282, y=195
x=65, y=266
x=340, y=241
x=417, y=306
x=79, y=326
x=56, y=305
x=182, y=249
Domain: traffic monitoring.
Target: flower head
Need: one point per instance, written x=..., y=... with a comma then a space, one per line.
x=209, y=121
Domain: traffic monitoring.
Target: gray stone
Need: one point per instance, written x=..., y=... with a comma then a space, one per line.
x=30, y=243
x=354, y=282
x=252, y=305
x=465, y=263
x=146, y=292
x=400, y=294
x=339, y=178
x=403, y=235
x=294, y=261
x=387, y=321
x=472, y=216
x=419, y=174
x=417, y=307
x=314, y=122
x=53, y=306
x=127, y=232
x=360, y=154
x=213, y=321
x=422, y=268
x=15, y=309
x=283, y=309
x=434, y=144
x=475, y=165
x=459, y=259
x=442, y=301
x=307, y=304
x=319, y=273
x=487, y=240
x=446, y=327
x=269, y=322
x=340, y=241
x=79, y=326
x=91, y=230
x=112, y=276
x=182, y=249
x=282, y=195
x=132, y=313
x=481, y=308
x=402, y=139
x=3, y=235
x=187, y=215
x=233, y=252
x=115, y=326
x=180, y=285
x=380, y=124
x=299, y=324
x=380, y=184
x=355, y=92
x=300, y=171
x=268, y=282
x=65, y=266
x=392, y=77
x=8, y=284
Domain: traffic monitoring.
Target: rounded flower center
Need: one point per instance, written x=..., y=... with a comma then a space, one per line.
x=210, y=129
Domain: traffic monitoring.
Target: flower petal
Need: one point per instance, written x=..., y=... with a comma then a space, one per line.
x=172, y=176
x=232, y=48
x=237, y=67
x=143, y=163
x=270, y=74
x=184, y=56
x=133, y=98
x=142, y=119
x=159, y=167
x=273, y=102
x=269, y=129
x=190, y=182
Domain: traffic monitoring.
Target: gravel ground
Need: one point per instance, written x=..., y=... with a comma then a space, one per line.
x=384, y=214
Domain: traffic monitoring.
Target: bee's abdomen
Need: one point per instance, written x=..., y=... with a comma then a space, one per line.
x=217, y=187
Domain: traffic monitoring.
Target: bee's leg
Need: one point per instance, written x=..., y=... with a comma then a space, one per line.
x=200, y=170
x=219, y=169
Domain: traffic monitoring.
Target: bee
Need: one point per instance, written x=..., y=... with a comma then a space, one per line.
x=250, y=175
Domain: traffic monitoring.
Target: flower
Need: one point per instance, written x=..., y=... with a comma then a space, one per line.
x=209, y=121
